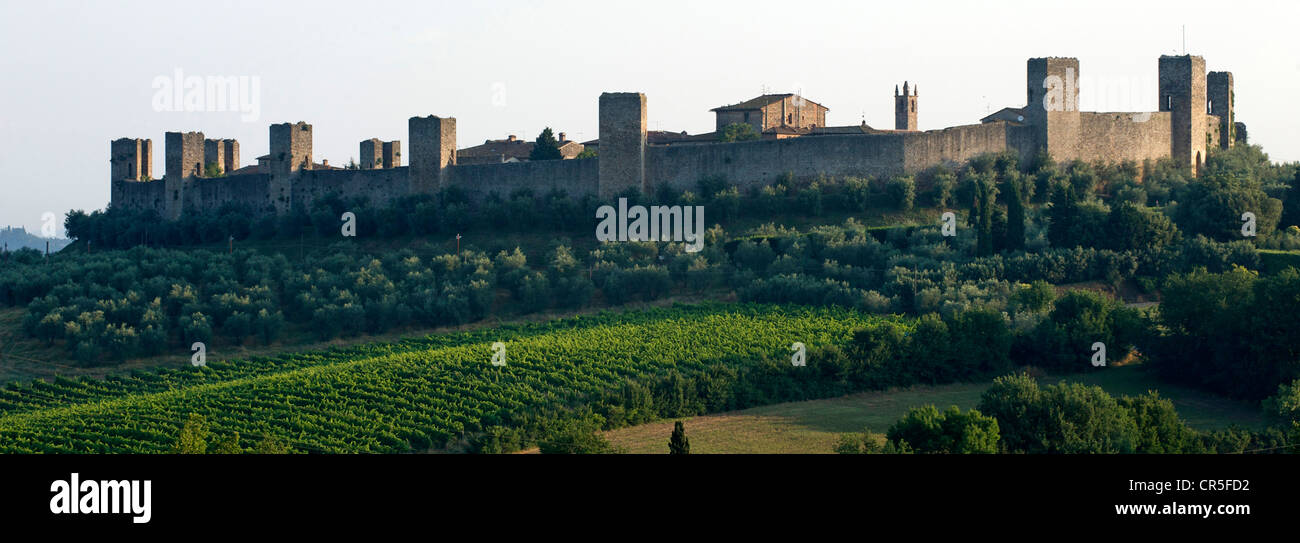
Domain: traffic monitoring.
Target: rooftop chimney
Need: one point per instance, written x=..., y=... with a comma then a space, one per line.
x=562, y=138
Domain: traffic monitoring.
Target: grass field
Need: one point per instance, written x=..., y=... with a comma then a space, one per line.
x=814, y=426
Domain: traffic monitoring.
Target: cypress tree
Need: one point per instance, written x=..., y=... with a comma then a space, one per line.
x=546, y=147
x=1063, y=217
x=678, y=443
x=1291, y=207
x=973, y=217
x=1015, y=218
x=984, y=246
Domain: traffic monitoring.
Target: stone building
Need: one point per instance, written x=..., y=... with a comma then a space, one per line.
x=513, y=149
x=1007, y=114
x=773, y=113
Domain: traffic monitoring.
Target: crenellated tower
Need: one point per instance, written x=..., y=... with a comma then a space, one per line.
x=1183, y=94
x=290, y=153
x=905, y=108
x=1219, y=94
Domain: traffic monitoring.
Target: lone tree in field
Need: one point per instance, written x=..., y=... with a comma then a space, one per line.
x=546, y=147
x=679, y=443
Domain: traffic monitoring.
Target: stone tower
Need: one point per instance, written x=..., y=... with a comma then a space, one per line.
x=290, y=147
x=131, y=158
x=290, y=153
x=230, y=148
x=1219, y=93
x=1183, y=93
x=1053, y=105
x=223, y=153
x=905, y=108
x=433, y=149
x=371, y=150
x=184, y=161
x=622, y=143
x=392, y=154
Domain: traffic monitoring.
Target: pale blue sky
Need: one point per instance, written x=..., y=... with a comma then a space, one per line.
x=79, y=74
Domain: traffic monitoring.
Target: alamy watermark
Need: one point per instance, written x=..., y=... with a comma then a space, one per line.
x=91, y=497
x=498, y=353
x=349, y=228
x=656, y=223
x=948, y=224
x=49, y=224
x=179, y=92
x=1098, y=354
x=498, y=92
x=1248, y=224
x=1074, y=92
x=200, y=357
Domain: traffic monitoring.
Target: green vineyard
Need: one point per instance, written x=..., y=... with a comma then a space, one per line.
x=412, y=395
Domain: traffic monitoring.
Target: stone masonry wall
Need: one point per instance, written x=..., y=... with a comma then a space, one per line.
x=246, y=190
x=1115, y=137
x=576, y=178
x=751, y=163
x=129, y=194
x=378, y=187
x=953, y=145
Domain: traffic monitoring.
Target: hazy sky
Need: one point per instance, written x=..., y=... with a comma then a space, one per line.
x=79, y=74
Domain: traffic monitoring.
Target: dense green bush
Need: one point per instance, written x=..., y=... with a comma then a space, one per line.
x=926, y=430
x=1214, y=206
x=1064, y=340
x=1228, y=332
x=1074, y=418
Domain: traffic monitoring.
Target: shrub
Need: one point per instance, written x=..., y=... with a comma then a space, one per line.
x=926, y=430
x=196, y=327
x=901, y=192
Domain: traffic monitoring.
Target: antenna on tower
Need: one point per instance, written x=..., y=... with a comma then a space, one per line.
x=1184, y=39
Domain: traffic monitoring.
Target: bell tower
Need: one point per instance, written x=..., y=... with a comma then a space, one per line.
x=905, y=108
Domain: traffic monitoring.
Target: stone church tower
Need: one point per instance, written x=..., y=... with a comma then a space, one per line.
x=905, y=108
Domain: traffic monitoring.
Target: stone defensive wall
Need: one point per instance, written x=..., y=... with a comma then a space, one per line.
x=756, y=163
x=577, y=178
x=377, y=186
x=1125, y=136
x=1187, y=125
x=955, y=145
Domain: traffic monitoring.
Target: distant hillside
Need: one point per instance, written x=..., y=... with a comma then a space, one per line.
x=17, y=238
